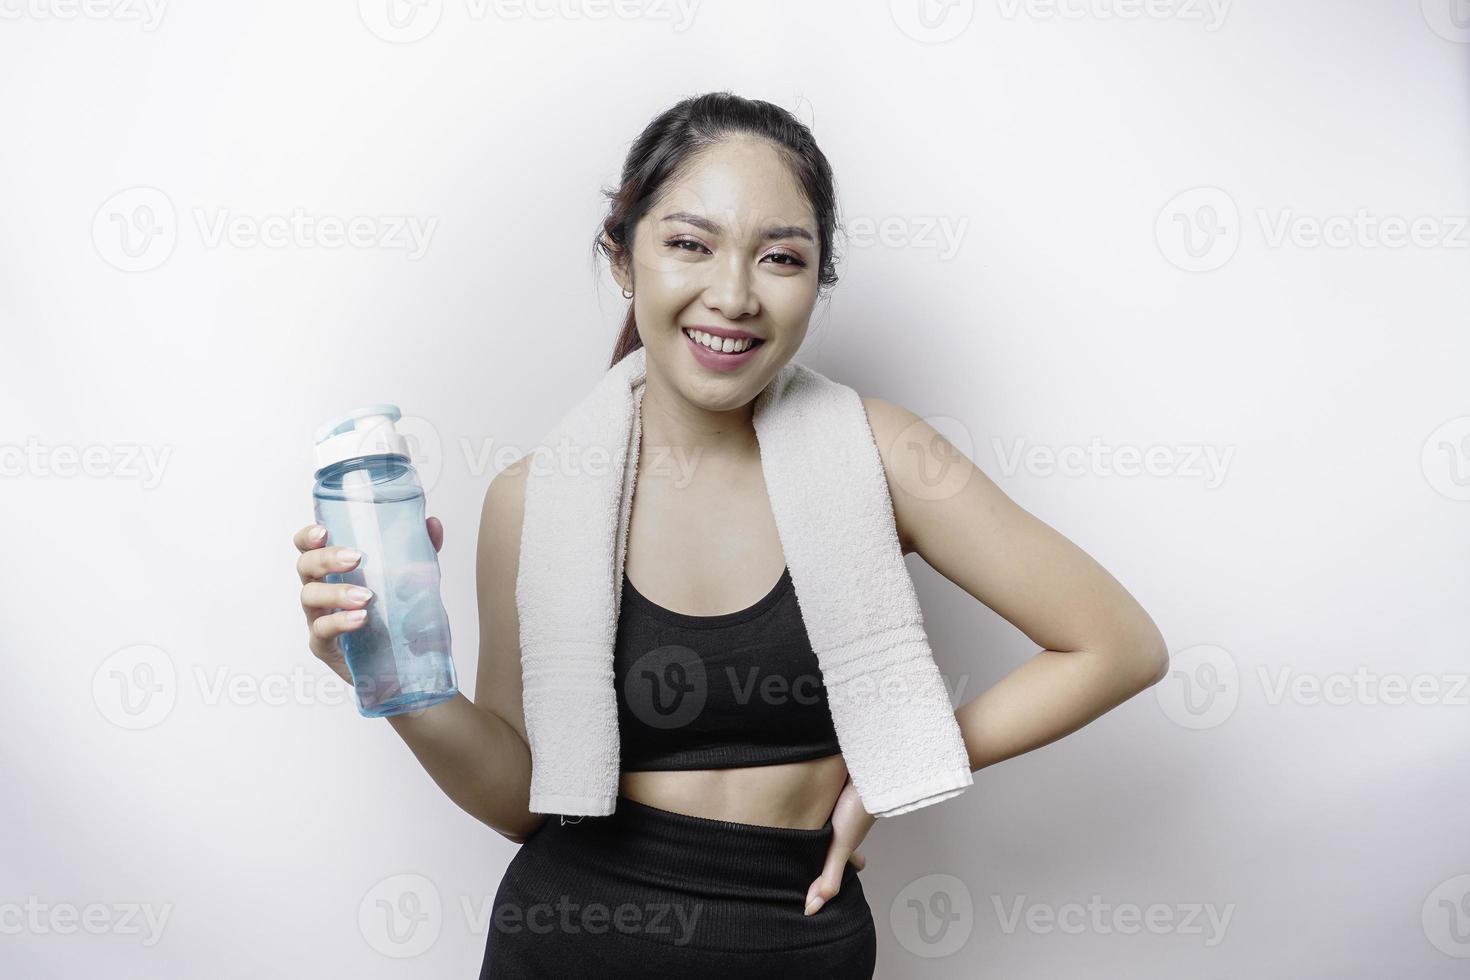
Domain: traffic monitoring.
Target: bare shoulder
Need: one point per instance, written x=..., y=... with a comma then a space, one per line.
x=507, y=490
x=916, y=460
x=501, y=515
x=942, y=501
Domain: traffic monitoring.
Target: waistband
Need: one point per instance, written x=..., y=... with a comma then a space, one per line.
x=742, y=886
x=719, y=857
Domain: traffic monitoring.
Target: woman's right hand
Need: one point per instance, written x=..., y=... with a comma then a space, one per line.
x=318, y=598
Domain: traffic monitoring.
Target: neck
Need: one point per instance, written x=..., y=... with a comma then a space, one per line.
x=671, y=423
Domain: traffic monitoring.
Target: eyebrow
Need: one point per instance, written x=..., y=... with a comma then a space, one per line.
x=770, y=234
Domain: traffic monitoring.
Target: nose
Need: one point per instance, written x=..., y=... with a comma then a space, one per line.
x=730, y=289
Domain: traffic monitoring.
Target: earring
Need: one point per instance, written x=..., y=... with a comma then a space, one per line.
x=627, y=294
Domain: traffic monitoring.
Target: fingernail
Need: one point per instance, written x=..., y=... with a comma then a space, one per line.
x=358, y=594
x=348, y=555
x=316, y=533
x=356, y=615
x=813, y=903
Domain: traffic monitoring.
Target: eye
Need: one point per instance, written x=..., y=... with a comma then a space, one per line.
x=677, y=242
x=790, y=259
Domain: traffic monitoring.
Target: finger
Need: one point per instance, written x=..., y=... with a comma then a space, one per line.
x=436, y=533
x=829, y=880
x=311, y=536
x=333, y=595
x=318, y=562
x=329, y=626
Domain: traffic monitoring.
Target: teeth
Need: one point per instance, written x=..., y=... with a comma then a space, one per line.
x=724, y=345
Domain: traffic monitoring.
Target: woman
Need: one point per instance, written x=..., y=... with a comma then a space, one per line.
x=732, y=850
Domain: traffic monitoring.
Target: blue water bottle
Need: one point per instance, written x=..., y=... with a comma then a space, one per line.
x=367, y=495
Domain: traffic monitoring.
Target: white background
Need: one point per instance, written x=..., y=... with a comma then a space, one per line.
x=1300, y=777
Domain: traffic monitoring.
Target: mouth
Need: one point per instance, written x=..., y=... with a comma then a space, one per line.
x=722, y=346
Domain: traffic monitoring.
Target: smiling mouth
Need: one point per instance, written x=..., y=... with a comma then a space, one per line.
x=722, y=345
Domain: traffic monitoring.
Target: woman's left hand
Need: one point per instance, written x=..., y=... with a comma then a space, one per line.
x=850, y=824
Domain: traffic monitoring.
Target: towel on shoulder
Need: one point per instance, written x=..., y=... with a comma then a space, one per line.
x=890, y=708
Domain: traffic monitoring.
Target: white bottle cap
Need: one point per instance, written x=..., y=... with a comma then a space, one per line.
x=365, y=431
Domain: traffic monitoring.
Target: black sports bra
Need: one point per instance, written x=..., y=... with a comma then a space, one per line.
x=718, y=692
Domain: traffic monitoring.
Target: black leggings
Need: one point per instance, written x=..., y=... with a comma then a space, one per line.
x=650, y=893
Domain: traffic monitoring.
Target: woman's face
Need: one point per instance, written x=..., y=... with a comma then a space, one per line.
x=732, y=247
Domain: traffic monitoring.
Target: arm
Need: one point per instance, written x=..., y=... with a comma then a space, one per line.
x=477, y=751
x=1099, y=647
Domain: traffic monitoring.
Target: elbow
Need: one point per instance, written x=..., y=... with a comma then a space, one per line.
x=1142, y=657
x=1158, y=673
x=521, y=834
x=1152, y=656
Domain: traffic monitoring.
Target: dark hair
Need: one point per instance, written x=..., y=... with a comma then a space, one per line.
x=674, y=137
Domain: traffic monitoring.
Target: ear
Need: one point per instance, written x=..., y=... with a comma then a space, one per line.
x=618, y=260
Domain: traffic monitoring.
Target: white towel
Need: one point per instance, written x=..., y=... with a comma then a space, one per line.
x=834, y=517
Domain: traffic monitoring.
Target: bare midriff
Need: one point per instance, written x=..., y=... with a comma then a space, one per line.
x=789, y=794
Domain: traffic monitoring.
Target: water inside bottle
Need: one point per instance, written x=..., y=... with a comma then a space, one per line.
x=400, y=656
